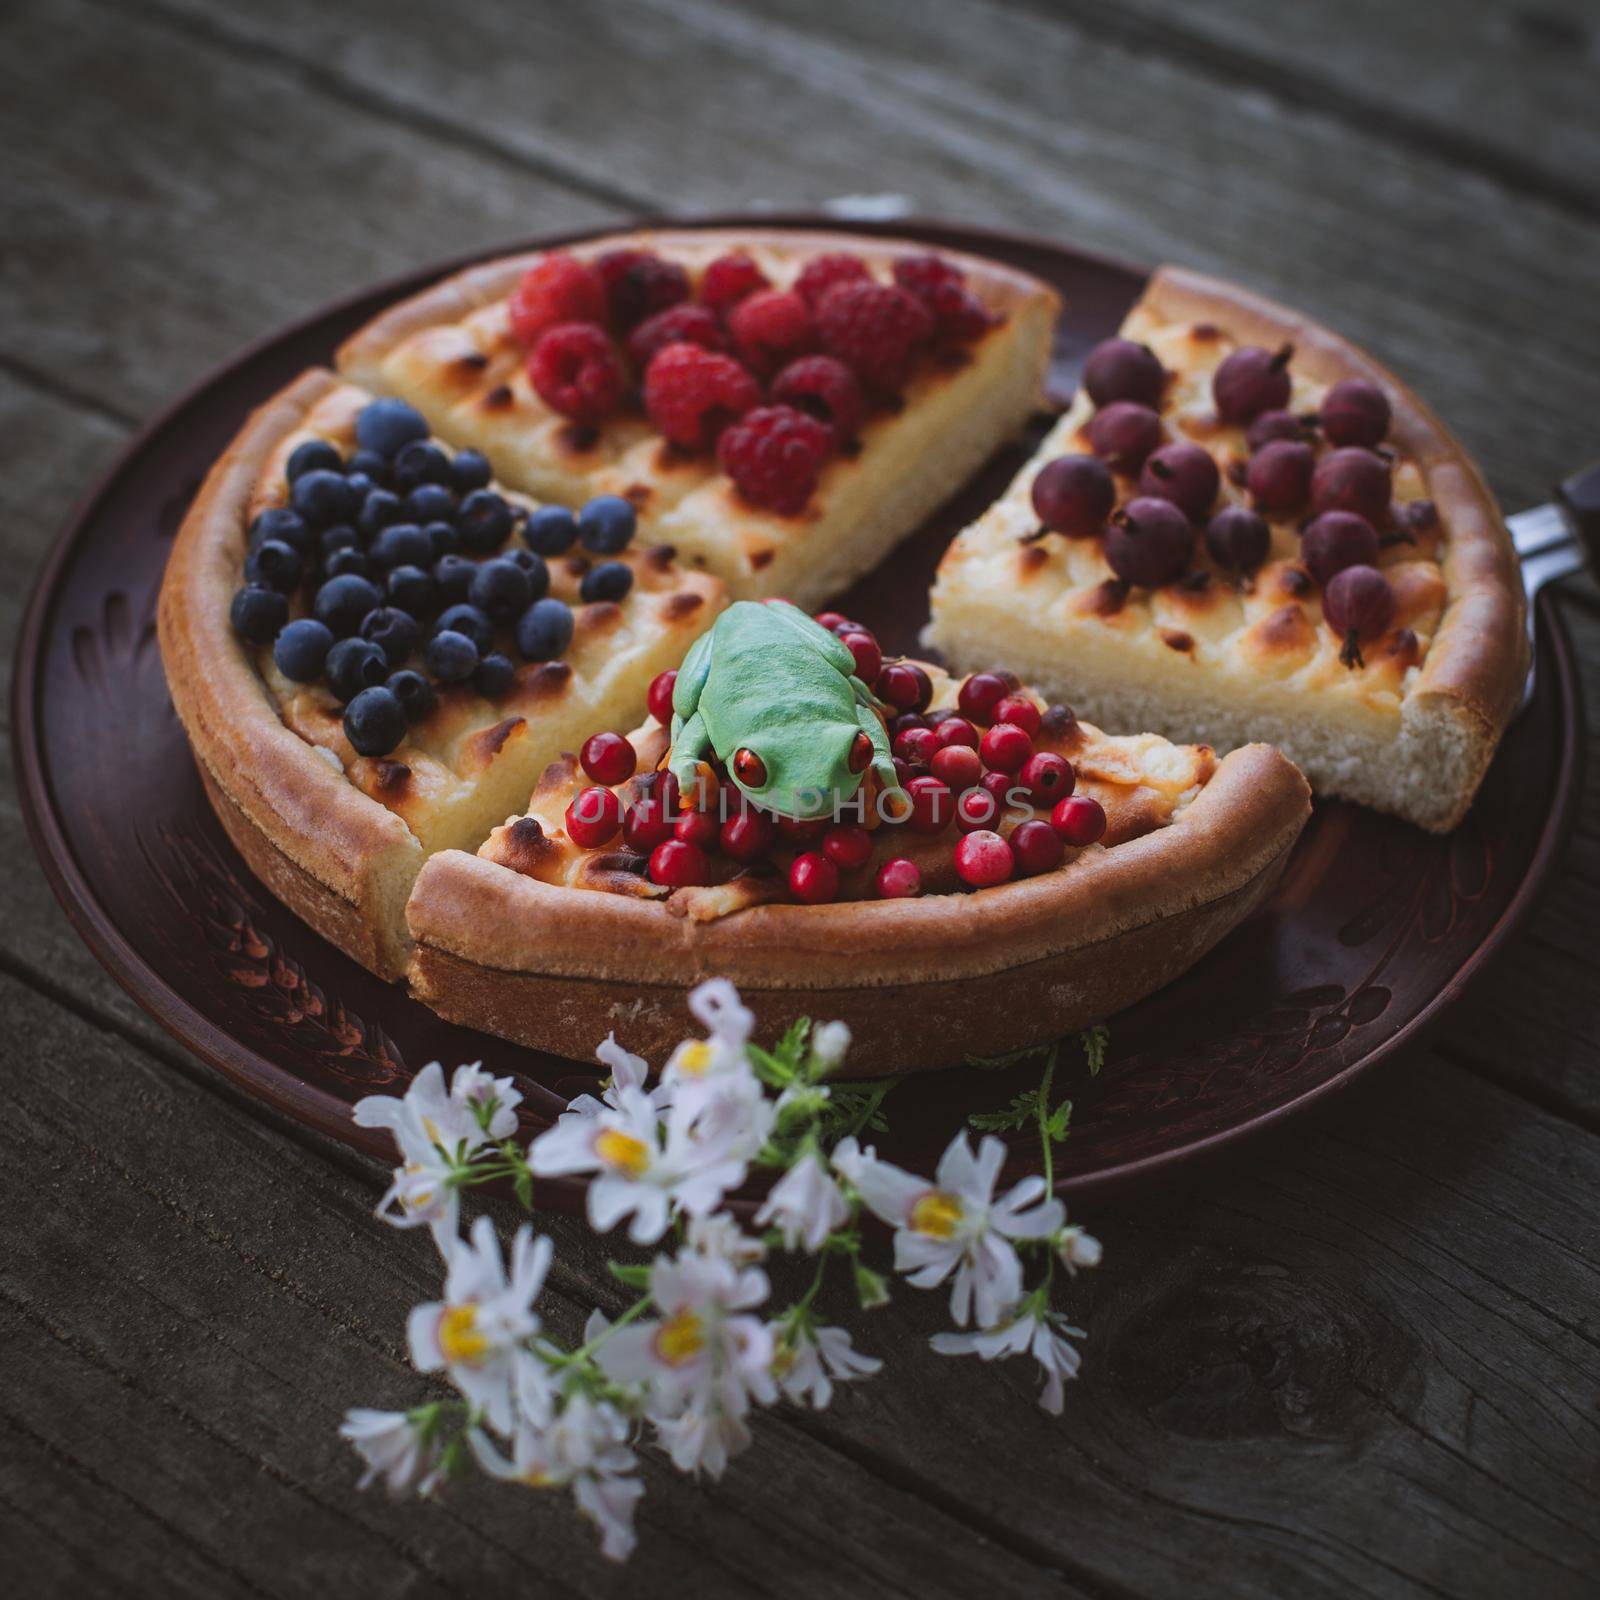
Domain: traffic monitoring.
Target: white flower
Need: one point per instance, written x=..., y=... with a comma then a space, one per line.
x=719, y=1235
x=829, y=1043
x=478, y=1332
x=955, y=1224
x=807, y=1360
x=1077, y=1248
x=585, y=1449
x=702, y=1360
x=395, y=1445
x=805, y=1204
x=1035, y=1331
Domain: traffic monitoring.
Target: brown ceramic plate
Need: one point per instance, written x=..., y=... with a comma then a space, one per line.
x=1376, y=928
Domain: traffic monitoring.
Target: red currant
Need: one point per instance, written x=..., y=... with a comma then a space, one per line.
x=1005, y=747
x=748, y=835
x=999, y=784
x=699, y=828
x=1079, y=820
x=975, y=809
x=956, y=730
x=813, y=879
x=648, y=823
x=1018, y=708
x=833, y=621
x=1048, y=777
x=931, y=805
x=869, y=658
x=847, y=845
x=980, y=694
x=905, y=686
x=916, y=745
x=984, y=859
x=678, y=865
x=593, y=818
x=902, y=770
x=899, y=879
x=802, y=832
x=1037, y=847
x=661, y=687
x=957, y=765
x=608, y=758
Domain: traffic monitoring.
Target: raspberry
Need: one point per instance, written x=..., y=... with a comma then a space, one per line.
x=874, y=330
x=825, y=389
x=774, y=456
x=679, y=325
x=922, y=275
x=575, y=371
x=693, y=394
x=958, y=313
x=728, y=279
x=770, y=328
x=638, y=283
x=558, y=289
x=821, y=273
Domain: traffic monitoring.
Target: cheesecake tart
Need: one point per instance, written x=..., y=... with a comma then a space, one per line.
x=782, y=407
x=1245, y=529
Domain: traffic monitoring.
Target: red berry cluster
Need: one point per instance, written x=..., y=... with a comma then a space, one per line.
x=776, y=381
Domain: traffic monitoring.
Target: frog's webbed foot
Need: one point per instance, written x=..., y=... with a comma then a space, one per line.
x=691, y=745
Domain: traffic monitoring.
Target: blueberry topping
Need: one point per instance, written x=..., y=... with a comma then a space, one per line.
x=453, y=574
x=403, y=545
x=430, y=502
x=302, y=650
x=606, y=525
x=470, y=621
x=388, y=426
x=412, y=590
x=274, y=565
x=281, y=523
x=420, y=462
x=414, y=693
x=502, y=589
x=444, y=539
x=469, y=470
x=344, y=600
x=369, y=464
x=395, y=632
x=361, y=483
x=315, y=455
x=611, y=580
x=354, y=665
x=544, y=630
x=324, y=498
x=494, y=677
x=257, y=613
x=375, y=721
x=484, y=520
x=551, y=530
x=339, y=537
x=538, y=572
x=451, y=657
x=382, y=510
x=347, y=563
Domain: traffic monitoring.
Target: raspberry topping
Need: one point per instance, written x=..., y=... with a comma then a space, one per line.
x=638, y=283
x=825, y=389
x=925, y=275
x=959, y=314
x=770, y=328
x=693, y=394
x=559, y=289
x=728, y=279
x=774, y=456
x=676, y=325
x=575, y=371
x=822, y=272
x=874, y=329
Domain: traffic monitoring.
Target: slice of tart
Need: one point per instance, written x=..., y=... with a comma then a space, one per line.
x=372, y=664
x=1245, y=529
x=1032, y=875
x=782, y=407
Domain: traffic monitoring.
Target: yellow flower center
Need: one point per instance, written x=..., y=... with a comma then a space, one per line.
x=936, y=1213
x=695, y=1059
x=783, y=1358
x=536, y=1478
x=418, y=1198
x=460, y=1338
x=622, y=1151
x=680, y=1338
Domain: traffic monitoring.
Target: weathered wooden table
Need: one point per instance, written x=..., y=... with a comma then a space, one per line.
x=1362, y=1360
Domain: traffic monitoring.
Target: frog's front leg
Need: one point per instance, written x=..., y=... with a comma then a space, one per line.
x=882, y=757
x=691, y=744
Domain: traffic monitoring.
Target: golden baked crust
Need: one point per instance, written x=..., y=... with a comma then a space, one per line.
x=1412, y=730
x=451, y=353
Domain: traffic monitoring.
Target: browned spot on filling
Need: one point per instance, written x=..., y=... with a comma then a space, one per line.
x=1284, y=628
x=545, y=681
x=492, y=740
x=1205, y=332
x=1196, y=582
x=471, y=361
x=1030, y=558
x=599, y=617
x=577, y=438
x=577, y=565
x=1108, y=598
x=638, y=495
x=1403, y=648
x=1295, y=582
x=670, y=458
x=524, y=848
x=680, y=604
x=1177, y=639
x=499, y=398
x=762, y=557
x=952, y=358
x=390, y=778
x=1238, y=472
x=658, y=557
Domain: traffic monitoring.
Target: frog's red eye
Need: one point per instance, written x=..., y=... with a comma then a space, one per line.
x=749, y=768
x=860, y=752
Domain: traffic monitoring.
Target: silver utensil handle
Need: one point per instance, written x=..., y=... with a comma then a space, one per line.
x=1554, y=541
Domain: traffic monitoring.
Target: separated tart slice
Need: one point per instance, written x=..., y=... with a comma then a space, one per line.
x=782, y=407
x=1010, y=873
x=1246, y=529
x=375, y=650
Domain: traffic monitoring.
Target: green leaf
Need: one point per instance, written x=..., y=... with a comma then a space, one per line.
x=1095, y=1040
x=636, y=1277
x=1009, y=1058
x=1056, y=1124
x=1023, y=1111
x=871, y=1288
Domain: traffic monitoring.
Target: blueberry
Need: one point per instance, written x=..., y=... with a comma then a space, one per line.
x=551, y=530
x=302, y=650
x=446, y=541
x=324, y=498
x=538, y=572
x=544, y=630
x=361, y=484
x=343, y=601
x=611, y=580
x=502, y=589
x=606, y=525
x=453, y=574
x=412, y=590
x=414, y=693
x=341, y=536
x=375, y=721
x=420, y=462
x=470, y=621
x=469, y=470
x=347, y=563
x=494, y=677
x=274, y=565
x=484, y=521
x=403, y=545
x=388, y=426
x=451, y=657
x=369, y=464
x=395, y=632
x=382, y=510
x=353, y=665
x=257, y=613
x=279, y=522
x=315, y=455
x=430, y=502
